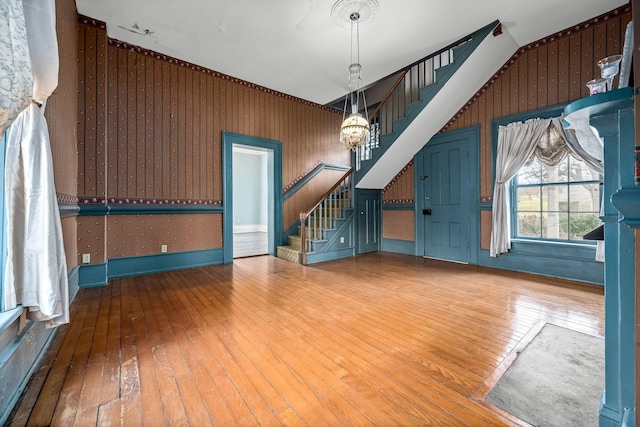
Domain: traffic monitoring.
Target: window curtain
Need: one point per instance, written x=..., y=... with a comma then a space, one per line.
x=35, y=269
x=590, y=149
x=16, y=78
x=516, y=143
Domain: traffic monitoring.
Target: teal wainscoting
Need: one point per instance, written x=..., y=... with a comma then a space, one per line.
x=565, y=262
x=19, y=360
x=92, y=275
x=98, y=274
x=22, y=351
x=123, y=267
x=406, y=247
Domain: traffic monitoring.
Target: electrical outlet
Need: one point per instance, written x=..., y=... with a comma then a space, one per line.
x=86, y=258
x=163, y=248
x=341, y=239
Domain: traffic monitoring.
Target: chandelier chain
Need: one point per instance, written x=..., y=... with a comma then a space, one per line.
x=354, y=130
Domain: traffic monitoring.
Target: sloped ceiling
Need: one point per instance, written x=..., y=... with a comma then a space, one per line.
x=297, y=47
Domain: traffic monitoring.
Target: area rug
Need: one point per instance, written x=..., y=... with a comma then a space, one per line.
x=557, y=380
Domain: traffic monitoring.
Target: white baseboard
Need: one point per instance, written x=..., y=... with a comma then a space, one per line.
x=250, y=228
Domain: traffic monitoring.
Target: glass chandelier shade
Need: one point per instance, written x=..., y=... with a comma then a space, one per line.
x=354, y=130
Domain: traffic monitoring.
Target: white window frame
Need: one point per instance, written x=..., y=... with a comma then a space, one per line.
x=513, y=194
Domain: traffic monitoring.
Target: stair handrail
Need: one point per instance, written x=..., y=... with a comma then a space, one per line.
x=388, y=95
x=379, y=123
x=406, y=69
x=305, y=215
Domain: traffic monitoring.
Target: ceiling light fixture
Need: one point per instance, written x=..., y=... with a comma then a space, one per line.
x=354, y=130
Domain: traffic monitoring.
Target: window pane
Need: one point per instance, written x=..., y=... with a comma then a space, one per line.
x=560, y=202
x=582, y=223
x=555, y=225
x=529, y=224
x=579, y=171
x=530, y=173
x=555, y=198
x=584, y=198
x=557, y=173
x=528, y=199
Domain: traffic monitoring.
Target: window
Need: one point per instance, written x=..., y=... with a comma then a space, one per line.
x=560, y=202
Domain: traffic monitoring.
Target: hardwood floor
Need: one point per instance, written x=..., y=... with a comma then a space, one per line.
x=379, y=339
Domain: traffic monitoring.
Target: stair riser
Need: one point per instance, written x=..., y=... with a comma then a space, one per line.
x=288, y=254
x=295, y=242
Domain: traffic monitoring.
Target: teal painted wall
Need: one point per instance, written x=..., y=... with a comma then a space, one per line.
x=249, y=189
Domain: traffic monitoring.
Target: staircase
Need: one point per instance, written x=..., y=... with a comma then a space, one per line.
x=326, y=231
x=427, y=94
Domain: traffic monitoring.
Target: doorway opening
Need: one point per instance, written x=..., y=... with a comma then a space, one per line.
x=251, y=196
x=252, y=172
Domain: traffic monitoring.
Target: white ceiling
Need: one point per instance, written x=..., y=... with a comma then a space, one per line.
x=297, y=47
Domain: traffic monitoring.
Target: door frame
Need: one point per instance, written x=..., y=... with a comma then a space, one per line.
x=472, y=134
x=275, y=147
x=358, y=220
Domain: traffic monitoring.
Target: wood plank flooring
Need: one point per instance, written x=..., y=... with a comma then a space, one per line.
x=379, y=339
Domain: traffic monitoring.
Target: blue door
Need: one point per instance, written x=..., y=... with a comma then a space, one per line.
x=446, y=196
x=368, y=216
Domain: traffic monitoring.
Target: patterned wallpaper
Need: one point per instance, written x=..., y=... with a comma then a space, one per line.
x=398, y=225
x=91, y=238
x=134, y=235
x=150, y=128
x=400, y=189
x=70, y=236
x=61, y=109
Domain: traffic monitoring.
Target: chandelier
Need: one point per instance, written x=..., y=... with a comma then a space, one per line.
x=354, y=130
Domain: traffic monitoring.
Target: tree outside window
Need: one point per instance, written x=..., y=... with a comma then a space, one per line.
x=559, y=202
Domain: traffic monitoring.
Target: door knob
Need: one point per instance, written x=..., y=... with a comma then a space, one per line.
x=426, y=211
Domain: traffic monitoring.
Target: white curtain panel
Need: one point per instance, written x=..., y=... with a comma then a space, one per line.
x=593, y=156
x=516, y=143
x=40, y=18
x=588, y=138
x=591, y=152
x=16, y=78
x=35, y=269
